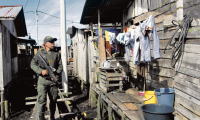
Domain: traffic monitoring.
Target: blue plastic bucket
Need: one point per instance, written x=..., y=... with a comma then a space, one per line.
x=165, y=96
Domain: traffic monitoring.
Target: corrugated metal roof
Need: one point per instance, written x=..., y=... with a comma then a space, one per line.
x=110, y=11
x=10, y=11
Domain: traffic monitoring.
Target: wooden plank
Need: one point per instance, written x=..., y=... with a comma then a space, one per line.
x=131, y=106
x=95, y=69
x=188, y=104
x=188, y=78
x=186, y=112
x=192, y=48
x=102, y=51
x=187, y=90
x=147, y=14
x=127, y=98
x=191, y=3
x=155, y=85
x=35, y=115
x=134, y=115
x=166, y=55
x=179, y=116
x=168, y=72
x=190, y=61
x=57, y=115
x=114, y=78
x=189, y=72
x=161, y=62
x=187, y=96
x=114, y=99
x=64, y=99
x=187, y=84
x=30, y=103
x=164, y=83
x=31, y=98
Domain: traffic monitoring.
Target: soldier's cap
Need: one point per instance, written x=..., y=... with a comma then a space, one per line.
x=49, y=39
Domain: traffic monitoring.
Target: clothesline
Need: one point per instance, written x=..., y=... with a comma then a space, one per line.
x=138, y=38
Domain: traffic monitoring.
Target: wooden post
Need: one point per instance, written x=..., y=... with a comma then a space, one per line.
x=123, y=23
x=2, y=105
x=99, y=26
x=115, y=25
x=109, y=112
x=99, y=108
x=82, y=84
x=6, y=109
x=91, y=28
x=102, y=50
x=102, y=108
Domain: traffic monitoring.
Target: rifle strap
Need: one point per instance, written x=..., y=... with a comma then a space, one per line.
x=43, y=55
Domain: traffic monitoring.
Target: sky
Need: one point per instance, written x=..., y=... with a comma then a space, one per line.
x=48, y=25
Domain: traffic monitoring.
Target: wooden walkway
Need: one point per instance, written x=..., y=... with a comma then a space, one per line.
x=126, y=105
x=57, y=115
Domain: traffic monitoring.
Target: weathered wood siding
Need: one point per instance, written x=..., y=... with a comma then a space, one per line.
x=80, y=58
x=187, y=81
x=159, y=73
x=9, y=24
x=91, y=53
x=9, y=61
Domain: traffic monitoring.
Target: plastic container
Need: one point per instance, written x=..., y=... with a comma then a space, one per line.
x=150, y=97
x=165, y=96
x=157, y=112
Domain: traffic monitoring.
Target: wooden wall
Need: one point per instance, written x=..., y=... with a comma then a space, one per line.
x=187, y=80
x=80, y=56
x=9, y=61
x=185, y=77
x=92, y=51
x=158, y=73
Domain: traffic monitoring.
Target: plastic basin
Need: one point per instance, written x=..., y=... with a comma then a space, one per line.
x=157, y=112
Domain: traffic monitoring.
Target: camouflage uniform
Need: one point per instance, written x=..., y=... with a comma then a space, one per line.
x=45, y=84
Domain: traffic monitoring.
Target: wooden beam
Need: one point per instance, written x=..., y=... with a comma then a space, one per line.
x=103, y=8
x=102, y=51
x=110, y=16
x=64, y=99
x=99, y=25
x=123, y=23
x=30, y=103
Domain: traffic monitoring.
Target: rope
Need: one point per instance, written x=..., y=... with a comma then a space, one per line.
x=180, y=43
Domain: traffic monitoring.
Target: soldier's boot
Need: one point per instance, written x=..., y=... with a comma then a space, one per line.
x=52, y=115
x=41, y=116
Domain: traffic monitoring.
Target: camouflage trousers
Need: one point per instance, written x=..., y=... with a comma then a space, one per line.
x=52, y=92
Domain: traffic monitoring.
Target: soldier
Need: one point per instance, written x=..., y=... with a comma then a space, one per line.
x=46, y=85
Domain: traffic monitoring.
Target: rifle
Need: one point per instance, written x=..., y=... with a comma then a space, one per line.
x=43, y=64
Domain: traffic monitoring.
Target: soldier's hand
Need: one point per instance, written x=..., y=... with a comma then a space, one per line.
x=44, y=72
x=52, y=79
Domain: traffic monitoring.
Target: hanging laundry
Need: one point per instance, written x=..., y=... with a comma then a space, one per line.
x=120, y=38
x=127, y=47
x=147, y=27
x=112, y=37
x=135, y=36
x=141, y=43
x=127, y=50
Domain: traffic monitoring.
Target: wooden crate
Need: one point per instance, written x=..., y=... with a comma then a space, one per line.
x=110, y=79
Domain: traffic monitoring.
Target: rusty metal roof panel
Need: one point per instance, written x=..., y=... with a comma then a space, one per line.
x=9, y=11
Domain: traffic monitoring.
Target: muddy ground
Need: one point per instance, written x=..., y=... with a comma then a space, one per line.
x=80, y=105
